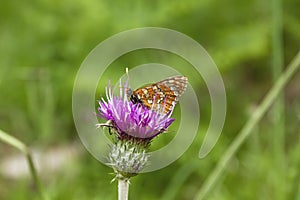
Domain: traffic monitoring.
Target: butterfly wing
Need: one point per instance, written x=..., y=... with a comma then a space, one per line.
x=178, y=84
x=161, y=96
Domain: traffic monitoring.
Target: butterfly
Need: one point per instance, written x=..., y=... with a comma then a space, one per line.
x=161, y=96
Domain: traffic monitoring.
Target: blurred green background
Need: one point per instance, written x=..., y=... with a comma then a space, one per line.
x=43, y=43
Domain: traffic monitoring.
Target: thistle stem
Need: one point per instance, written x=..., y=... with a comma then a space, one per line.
x=123, y=188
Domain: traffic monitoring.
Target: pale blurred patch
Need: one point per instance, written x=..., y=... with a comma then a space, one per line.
x=46, y=161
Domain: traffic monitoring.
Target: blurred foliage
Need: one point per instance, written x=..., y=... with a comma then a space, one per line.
x=43, y=43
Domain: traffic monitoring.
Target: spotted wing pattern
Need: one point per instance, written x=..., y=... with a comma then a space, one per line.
x=161, y=96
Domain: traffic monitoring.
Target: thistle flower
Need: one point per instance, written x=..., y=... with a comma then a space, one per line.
x=135, y=126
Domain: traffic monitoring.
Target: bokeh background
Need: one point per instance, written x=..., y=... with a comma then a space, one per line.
x=43, y=43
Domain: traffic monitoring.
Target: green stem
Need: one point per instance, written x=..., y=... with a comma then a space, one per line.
x=249, y=126
x=277, y=57
x=278, y=113
x=8, y=139
x=123, y=188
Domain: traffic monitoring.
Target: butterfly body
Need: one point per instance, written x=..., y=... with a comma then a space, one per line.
x=161, y=96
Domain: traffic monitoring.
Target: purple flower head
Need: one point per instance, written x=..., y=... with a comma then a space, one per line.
x=132, y=120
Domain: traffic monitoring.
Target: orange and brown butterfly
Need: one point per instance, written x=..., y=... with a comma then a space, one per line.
x=161, y=96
